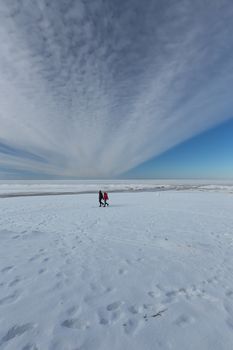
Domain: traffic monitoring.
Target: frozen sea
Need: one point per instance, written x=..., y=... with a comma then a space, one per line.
x=154, y=270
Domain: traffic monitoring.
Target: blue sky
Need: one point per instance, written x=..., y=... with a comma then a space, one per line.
x=100, y=89
x=206, y=156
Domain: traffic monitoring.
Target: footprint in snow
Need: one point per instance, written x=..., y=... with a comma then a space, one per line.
x=33, y=258
x=45, y=260
x=103, y=321
x=229, y=322
x=229, y=294
x=72, y=310
x=15, y=281
x=152, y=294
x=30, y=347
x=184, y=320
x=134, y=309
x=16, y=331
x=114, y=306
x=9, y=298
x=7, y=268
x=131, y=326
x=76, y=323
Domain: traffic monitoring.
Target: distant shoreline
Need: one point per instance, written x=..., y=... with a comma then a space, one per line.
x=199, y=188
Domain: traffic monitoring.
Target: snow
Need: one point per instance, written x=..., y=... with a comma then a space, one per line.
x=34, y=187
x=152, y=271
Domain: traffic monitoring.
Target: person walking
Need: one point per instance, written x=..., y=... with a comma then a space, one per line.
x=100, y=198
x=105, y=199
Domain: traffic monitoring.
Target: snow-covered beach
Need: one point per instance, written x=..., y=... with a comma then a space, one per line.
x=25, y=188
x=152, y=271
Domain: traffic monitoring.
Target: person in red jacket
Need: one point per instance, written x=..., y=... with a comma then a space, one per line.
x=105, y=199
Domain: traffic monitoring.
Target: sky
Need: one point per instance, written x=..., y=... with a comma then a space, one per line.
x=205, y=156
x=108, y=89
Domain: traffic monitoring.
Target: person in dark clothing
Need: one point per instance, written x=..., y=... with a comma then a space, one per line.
x=100, y=198
x=105, y=199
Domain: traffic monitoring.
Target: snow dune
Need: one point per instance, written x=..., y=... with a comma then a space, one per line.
x=152, y=271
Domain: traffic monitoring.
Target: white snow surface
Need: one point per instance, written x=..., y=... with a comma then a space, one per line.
x=45, y=187
x=152, y=271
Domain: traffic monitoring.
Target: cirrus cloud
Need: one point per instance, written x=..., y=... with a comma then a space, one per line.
x=92, y=89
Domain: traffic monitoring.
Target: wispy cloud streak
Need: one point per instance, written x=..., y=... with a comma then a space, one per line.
x=96, y=88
